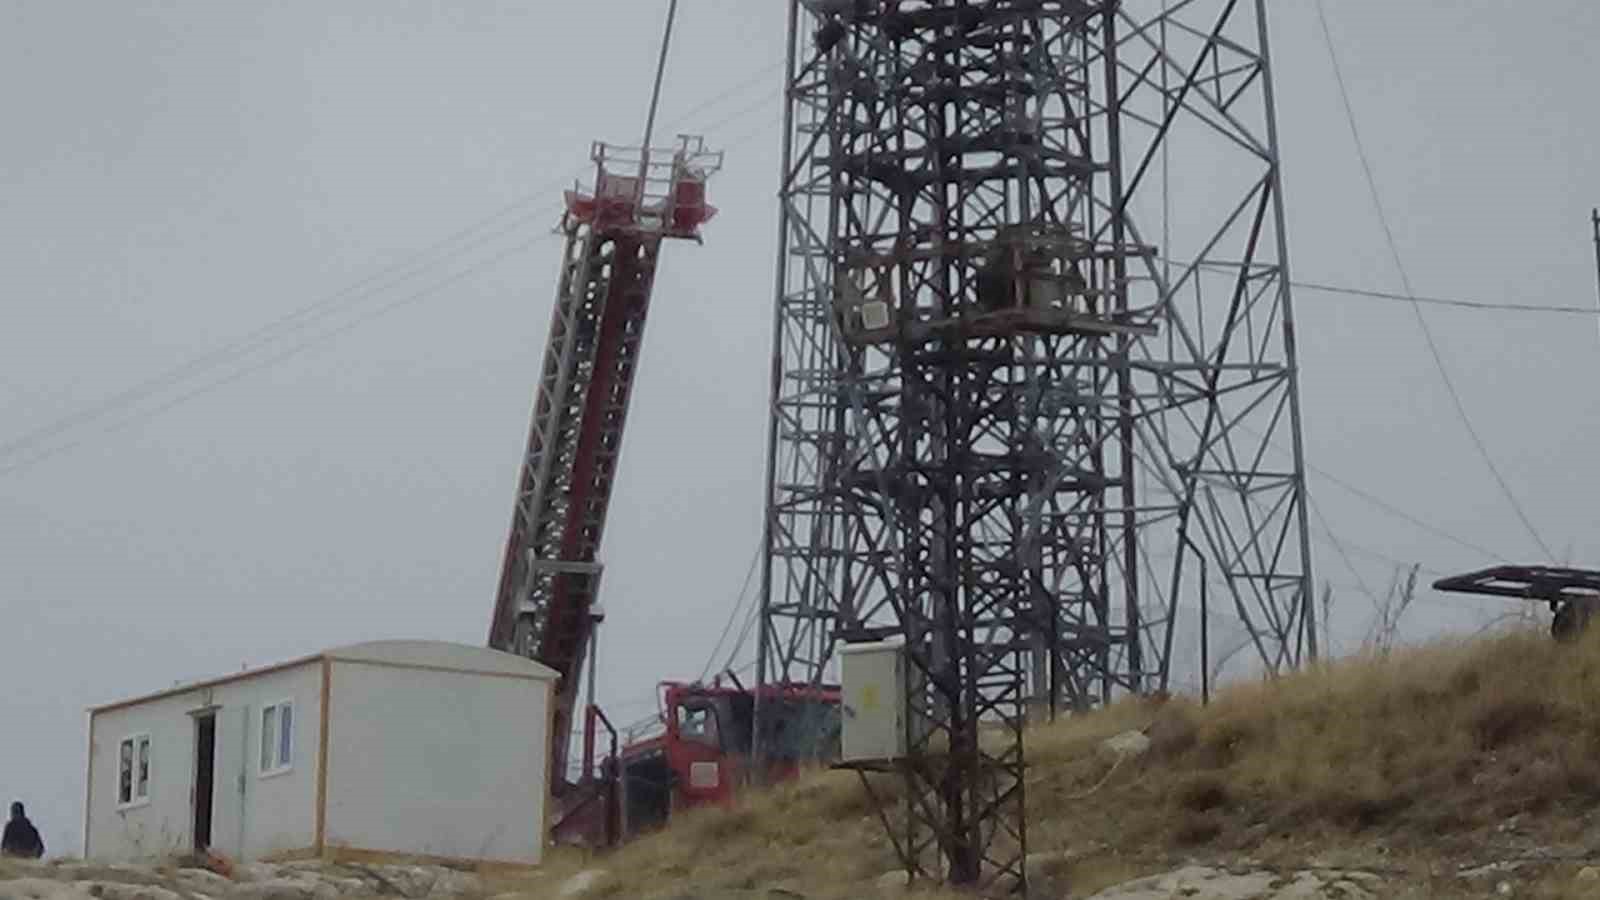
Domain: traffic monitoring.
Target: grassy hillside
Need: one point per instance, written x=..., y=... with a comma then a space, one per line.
x=1417, y=765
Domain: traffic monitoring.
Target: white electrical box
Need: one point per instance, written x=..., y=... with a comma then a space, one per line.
x=873, y=678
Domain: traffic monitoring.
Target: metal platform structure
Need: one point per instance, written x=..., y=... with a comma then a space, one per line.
x=1573, y=595
x=1033, y=375
x=550, y=574
x=1548, y=584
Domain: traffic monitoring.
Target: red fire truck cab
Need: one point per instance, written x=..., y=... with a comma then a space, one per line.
x=700, y=752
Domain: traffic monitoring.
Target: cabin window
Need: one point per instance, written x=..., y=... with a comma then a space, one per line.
x=698, y=724
x=133, y=773
x=277, y=738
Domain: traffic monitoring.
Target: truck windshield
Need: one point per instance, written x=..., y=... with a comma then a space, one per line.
x=800, y=729
x=697, y=721
x=795, y=729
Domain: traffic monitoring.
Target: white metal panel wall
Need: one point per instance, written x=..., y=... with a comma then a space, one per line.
x=251, y=816
x=437, y=763
x=164, y=823
x=280, y=810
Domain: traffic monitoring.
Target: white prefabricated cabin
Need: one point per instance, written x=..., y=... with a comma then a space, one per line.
x=392, y=748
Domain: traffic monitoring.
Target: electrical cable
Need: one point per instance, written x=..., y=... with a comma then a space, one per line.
x=739, y=85
x=1342, y=547
x=109, y=407
x=1448, y=301
x=417, y=263
x=733, y=615
x=1393, y=510
x=1405, y=279
x=1387, y=558
x=286, y=324
x=1362, y=587
x=1339, y=547
x=273, y=360
x=744, y=635
x=1485, y=305
x=1379, y=502
x=293, y=350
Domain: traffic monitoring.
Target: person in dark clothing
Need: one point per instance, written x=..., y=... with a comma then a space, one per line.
x=21, y=838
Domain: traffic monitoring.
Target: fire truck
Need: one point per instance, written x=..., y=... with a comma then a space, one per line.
x=697, y=752
x=701, y=747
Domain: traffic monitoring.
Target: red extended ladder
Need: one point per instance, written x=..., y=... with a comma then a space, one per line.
x=550, y=575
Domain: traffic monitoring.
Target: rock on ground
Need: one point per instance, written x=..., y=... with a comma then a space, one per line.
x=112, y=890
x=582, y=883
x=895, y=881
x=1129, y=745
x=275, y=889
x=202, y=881
x=40, y=889
x=252, y=881
x=253, y=871
x=1206, y=883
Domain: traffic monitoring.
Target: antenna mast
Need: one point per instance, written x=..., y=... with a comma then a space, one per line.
x=1010, y=432
x=1596, y=219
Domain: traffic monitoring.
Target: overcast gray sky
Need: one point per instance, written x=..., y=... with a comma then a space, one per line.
x=176, y=175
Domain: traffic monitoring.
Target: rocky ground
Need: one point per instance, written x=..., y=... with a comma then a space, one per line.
x=1247, y=880
x=68, y=880
x=315, y=881
x=1199, y=882
x=1206, y=883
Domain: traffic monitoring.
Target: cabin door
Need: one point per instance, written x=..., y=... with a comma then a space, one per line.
x=231, y=743
x=205, y=766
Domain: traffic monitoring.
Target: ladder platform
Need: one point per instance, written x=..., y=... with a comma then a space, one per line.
x=998, y=323
x=651, y=191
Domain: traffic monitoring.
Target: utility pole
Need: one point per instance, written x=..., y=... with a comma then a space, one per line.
x=1596, y=219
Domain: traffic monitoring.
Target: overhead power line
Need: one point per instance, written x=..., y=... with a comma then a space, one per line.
x=1381, y=503
x=1396, y=511
x=518, y=213
x=750, y=621
x=733, y=615
x=1338, y=546
x=1405, y=279
x=511, y=217
x=418, y=262
x=1447, y=301
x=1457, y=302
x=105, y=409
x=293, y=350
x=275, y=330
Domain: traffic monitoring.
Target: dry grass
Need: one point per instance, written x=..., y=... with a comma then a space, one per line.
x=1408, y=762
x=1410, y=765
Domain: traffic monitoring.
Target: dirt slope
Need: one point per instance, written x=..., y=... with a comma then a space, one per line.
x=1451, y=770
x=1424, y=767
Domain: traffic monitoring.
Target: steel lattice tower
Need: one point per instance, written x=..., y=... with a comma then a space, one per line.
x=1033, y=372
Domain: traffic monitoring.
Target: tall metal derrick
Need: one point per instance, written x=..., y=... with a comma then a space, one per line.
x=1033, y=379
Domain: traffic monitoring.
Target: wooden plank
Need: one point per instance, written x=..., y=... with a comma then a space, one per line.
x=88, y=788
x=322, y=757
x=547, y=796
